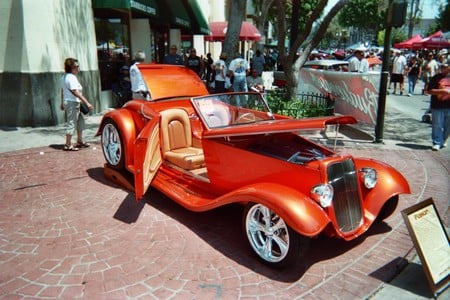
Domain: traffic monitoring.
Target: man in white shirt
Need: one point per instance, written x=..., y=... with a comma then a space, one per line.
x=138, y=86
x=353, y=63
x=239, y=68
x=398, y=71
x=363, y=62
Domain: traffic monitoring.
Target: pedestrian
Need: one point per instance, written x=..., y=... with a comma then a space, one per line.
x=194, y=62
x=353, y=62
x=71, y=97
x=258, y=62
x=220, y=71
x=138, y=86
x=255, y=82
x=429, y=69
x=209, y=68
x=363, y=66
x=173, y=58
x=398, y=71
x=238, y=70
x=413, y=70
x=439, y=89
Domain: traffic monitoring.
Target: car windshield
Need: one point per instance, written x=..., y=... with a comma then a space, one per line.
x=232, y=109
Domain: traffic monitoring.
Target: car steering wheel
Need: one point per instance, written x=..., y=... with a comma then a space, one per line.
x=246, y=117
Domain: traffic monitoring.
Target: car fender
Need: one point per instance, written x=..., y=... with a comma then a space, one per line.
x=390, y=183
x=299, y=211
x=124, y=120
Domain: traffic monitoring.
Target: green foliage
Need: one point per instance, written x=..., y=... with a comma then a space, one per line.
x=296, y=108
x=306, y=7
x=443, y=19
x=361, y=13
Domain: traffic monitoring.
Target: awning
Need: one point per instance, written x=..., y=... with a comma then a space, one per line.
x=219, y=29
x=147, y=7
x=178, y=13
x=201, y=24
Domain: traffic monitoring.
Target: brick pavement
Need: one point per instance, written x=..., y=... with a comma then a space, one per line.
x=67, y=233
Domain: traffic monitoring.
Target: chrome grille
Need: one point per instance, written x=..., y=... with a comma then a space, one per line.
x=346, y=203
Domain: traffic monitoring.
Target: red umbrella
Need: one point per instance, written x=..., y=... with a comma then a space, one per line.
x=433, y=41
x=218, y=30
x=408, y=43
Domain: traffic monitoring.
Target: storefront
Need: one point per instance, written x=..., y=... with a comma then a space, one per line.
x=125, y=26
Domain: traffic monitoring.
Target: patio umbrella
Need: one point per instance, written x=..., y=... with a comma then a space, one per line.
x=428, y=42
x=409, y=42
x=219, y=29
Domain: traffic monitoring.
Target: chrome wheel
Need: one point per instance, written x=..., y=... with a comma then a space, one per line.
x=112, y=145
x=267, y=233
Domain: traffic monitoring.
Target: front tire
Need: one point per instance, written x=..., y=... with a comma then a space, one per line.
x=112, y=145
x=271, y=239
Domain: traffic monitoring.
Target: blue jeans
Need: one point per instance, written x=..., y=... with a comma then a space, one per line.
x=240, y=84
x=440, y=129
x=412, y=83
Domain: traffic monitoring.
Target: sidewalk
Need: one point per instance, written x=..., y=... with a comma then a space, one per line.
x=73, y=235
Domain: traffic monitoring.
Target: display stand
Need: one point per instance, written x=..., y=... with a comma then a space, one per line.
x=431, y=242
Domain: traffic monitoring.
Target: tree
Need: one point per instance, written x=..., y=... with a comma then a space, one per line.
x=236, y=16
x=414, y=15
x=313, y=30
x=363, y=14
x=443, y=19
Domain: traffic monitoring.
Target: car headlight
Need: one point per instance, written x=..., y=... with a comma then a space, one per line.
x=323, y=194
x=369, y=177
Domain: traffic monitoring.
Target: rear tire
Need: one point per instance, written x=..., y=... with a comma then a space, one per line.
x=271, y=239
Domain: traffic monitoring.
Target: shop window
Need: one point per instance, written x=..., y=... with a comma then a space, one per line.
x=113, y=49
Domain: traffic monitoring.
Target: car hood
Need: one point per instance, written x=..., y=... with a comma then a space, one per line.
x=283, y=125
x=170, y=81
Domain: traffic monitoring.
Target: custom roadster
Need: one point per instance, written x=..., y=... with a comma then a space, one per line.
x=208, y=150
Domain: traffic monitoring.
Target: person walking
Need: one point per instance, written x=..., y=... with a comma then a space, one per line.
x=71, y=97
x=220, y=71
x=398, y=71
x=258, y=62
x=439, y=89
x=195, y=63
x=429, y=69
x=238, y=70
x=209, y=69
x=413, y=70
x=138, y=86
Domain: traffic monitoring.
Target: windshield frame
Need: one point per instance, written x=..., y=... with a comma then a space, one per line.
x=232, y=109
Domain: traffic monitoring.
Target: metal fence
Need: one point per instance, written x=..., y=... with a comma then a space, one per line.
x=306, y=105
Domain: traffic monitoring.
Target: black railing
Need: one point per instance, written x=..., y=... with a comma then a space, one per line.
x=306, y=104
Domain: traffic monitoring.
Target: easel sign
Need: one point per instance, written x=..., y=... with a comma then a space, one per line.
x=431, y=242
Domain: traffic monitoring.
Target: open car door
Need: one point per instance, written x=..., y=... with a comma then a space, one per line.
x=147, y=157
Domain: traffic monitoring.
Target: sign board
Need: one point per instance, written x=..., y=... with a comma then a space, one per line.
x=431, y=242
x=355, y=94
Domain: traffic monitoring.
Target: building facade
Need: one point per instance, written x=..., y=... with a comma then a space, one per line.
x=101, y=34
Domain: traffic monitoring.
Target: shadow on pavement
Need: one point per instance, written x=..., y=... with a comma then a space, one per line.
x=222, y=229
x=409, y=277
x=414, y=146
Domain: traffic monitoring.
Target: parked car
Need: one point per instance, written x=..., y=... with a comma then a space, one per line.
x=205, y=151
x=327, y=64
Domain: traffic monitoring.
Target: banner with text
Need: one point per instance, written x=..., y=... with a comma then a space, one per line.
x=355, y=94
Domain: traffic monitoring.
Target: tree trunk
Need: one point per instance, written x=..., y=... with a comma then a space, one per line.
x=231, y=43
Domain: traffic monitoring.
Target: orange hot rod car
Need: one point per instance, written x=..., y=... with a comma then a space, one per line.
x=204, y=151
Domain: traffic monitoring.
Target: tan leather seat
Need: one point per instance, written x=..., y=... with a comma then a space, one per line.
x=177, y=140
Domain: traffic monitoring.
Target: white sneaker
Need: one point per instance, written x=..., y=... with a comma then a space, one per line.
x=436, y=148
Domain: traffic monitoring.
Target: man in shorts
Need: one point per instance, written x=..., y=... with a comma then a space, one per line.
x=398, y=71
